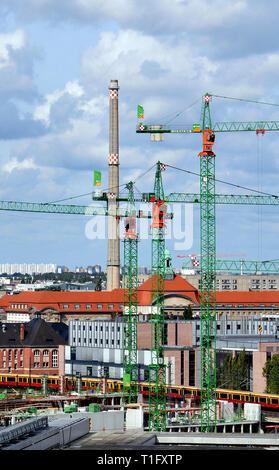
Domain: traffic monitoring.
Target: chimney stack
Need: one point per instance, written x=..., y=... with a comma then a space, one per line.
x=22, y=332
x=113, y=261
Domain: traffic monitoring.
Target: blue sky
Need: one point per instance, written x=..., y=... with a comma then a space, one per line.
x=56, y=62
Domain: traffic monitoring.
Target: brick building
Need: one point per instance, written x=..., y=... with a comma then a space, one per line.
x=35, y=347
x=179, y=294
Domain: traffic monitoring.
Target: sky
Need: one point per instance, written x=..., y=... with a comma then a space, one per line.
x=56, y=62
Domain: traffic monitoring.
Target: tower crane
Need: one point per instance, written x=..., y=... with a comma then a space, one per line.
x=207, y=200
x=130, y=313
x=157, y=368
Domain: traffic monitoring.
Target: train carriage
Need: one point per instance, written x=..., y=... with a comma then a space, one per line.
x=94, y=385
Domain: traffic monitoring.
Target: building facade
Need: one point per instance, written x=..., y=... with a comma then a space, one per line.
x=179, y=295
x=95, y=348
x=35, y=347
x=239, y=282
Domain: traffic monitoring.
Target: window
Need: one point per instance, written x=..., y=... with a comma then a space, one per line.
x=65, y=306
x=36, y=352
x=45, y=352
x=77, y=306
x=110, y=306
x=99, y=306
x=88, y=306
x=54, y=357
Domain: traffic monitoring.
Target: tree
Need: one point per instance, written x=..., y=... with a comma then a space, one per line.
x=98, y=286
x=271, y=373
x=187, y=312
x=233, y=374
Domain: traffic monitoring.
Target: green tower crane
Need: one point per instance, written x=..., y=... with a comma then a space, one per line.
x=157, y=368
x=207, y=200
x=130, y=313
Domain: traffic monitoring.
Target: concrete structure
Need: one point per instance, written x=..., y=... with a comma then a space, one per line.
x=99, y=362
x=95, y=348
x=113, y=252
x=44, y=433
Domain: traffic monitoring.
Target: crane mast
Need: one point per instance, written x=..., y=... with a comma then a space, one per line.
x=208, y=274
x=130, y=312
x=157, y=368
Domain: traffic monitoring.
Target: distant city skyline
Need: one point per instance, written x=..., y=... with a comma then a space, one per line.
x=42, y=268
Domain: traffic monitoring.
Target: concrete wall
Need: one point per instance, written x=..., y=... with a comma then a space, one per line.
x=107, y=420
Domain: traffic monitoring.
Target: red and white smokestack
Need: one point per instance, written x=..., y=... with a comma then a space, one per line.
x=113, y=255
x=22, y=332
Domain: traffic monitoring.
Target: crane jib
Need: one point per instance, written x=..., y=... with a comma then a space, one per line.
x=216, y=127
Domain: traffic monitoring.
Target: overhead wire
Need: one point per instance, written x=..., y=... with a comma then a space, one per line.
x=224, y=182
x=244, y=99
x=181, y=112
x=124, y=185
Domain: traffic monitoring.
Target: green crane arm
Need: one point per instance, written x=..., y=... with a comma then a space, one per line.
x=216, y=127
x=240, y=266
x=66, y=209
x=244, y=199
x=194, y=198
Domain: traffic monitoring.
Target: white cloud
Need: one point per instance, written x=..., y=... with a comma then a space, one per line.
x=14, y=164
x=157, y=16
x=42, y=112
x=8, y=41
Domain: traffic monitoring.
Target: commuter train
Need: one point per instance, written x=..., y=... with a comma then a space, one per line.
x=20, y=381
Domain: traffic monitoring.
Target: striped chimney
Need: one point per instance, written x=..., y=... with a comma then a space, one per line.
x=113, y=255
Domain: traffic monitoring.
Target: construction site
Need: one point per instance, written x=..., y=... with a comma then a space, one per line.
x=148, y=412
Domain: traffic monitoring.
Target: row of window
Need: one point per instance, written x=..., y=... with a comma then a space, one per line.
x=102, y=342
x=89, y=306
x=247, y=305
x=7, y=356
x=66, y=306
x=18, y=306
x=96, y=327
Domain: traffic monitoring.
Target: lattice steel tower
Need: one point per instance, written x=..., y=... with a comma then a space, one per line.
x=208, y=273
x=130, y=313
x=157, y=368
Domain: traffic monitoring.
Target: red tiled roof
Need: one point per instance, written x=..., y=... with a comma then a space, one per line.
x=245, y=298
x=55, y=299
x=178, y=285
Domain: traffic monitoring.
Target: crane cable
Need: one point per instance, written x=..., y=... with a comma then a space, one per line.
x=224, y=182
x=115, y=187
x=244, y=99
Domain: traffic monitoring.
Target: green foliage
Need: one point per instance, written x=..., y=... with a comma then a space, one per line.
x=187, y=313
x=233, y=374
x=271, y=373
x=98, y=286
